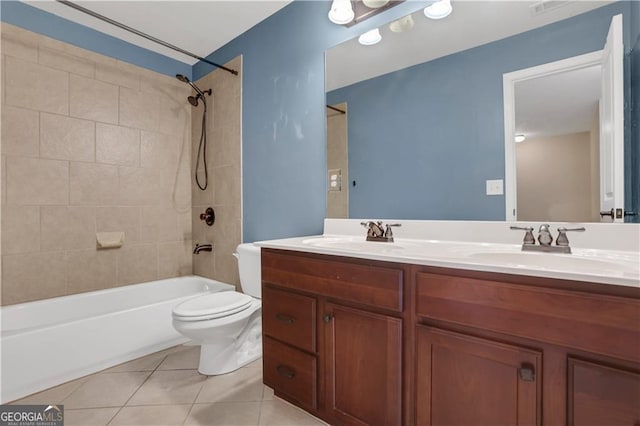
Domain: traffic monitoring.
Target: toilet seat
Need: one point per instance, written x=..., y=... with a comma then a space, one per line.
x=211, y=306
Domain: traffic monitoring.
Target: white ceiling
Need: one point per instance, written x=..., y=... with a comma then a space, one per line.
x=200, y=27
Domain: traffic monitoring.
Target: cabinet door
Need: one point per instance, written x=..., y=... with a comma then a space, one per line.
x=363, y=366
x=602, y=395
x=463, y=380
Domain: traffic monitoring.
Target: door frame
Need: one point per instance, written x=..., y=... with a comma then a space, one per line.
x=509, y=81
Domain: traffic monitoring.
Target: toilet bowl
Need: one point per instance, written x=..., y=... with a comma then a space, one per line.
x=227, y=325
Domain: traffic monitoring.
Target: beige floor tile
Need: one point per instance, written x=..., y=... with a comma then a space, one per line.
x=224, y=413
x=255, y=364
x=145, y=363
x=280, y=413
x=53, y=395
x=158, y=415
x=244, y=384
x=106, y=390
x=169, y=387
x=267, y=394
x=187, y=358
x=89, y=416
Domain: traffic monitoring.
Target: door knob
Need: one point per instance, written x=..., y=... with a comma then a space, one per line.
x=327, y=318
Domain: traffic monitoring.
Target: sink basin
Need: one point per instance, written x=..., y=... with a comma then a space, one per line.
x=353, y=244
x=558, y=262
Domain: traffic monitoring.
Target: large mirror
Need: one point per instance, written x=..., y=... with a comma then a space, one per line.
x=416, y=129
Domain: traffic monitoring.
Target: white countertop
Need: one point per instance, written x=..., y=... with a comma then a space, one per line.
x=607, y=266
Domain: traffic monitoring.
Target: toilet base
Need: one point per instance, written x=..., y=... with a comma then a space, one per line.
x=227, y=356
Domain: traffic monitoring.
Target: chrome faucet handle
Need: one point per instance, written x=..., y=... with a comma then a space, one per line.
x=528, y=236
x=374, y=229
x=388, y=233
x=562, y=239
x=544, y=235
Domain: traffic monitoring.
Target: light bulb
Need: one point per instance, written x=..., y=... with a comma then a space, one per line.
x=438, y=10
x=341, y=12
x=375, y=4
x=370, y=37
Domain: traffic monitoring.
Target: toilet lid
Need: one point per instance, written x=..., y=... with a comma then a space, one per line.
x=213, y=305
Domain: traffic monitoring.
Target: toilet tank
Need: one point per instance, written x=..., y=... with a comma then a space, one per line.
x=249, y=268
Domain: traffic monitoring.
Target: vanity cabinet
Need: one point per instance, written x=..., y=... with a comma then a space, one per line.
x=362, y=342
x=333, y=336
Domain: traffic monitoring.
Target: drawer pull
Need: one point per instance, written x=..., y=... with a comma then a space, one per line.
x=285, y=372
x=285, y=318
x=527, y=372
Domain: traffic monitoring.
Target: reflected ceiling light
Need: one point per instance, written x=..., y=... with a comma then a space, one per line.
x=402, y=24
x=375, y=4
x=370, y=37
x=341, y=12
x=520, y=138
x=438, y=10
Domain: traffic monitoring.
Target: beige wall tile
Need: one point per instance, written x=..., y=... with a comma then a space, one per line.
x=19, y=43
x=117, y=145
x=66, y=62
x=65, y=138
x=161, y=224
x=93, y=184
x=33, y=276
x=139, y=109
x=225, y=150
x=137, y=264
x=139, y=186
x=226, y=267
x=226, y=180
x=20, y=229
x=120, y=219
x=175, y=112
x=35, y=181
x=203, y=264
x=3, y=177
x=36, y=87
x=227, y=227
x=174, y=259
x=67, y=228
x=93, y=100
x=114, y=74
x=90, y=270
x=20, y=131
x=158, y=150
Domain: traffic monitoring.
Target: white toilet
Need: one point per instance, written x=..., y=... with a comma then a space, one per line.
x=226, y=324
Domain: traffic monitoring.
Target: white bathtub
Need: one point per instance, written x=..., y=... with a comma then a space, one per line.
x=49, y=342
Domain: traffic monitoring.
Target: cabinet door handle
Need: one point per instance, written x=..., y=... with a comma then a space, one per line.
x=327, y=318
x=527, y=372
x=286, y=372
x=285, y=318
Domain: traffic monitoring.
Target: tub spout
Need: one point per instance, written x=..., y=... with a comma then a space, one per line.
x=202, y=247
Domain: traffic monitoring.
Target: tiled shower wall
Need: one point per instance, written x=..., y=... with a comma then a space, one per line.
x=224, y=158
x=89, y=144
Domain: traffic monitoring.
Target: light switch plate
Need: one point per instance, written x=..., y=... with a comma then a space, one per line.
x=495, y=187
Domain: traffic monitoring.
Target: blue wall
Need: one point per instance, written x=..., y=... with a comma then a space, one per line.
x=283, y=120
x=41, y=22
x=439, y=125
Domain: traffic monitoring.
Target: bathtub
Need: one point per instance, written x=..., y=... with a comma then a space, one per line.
x=49, y=342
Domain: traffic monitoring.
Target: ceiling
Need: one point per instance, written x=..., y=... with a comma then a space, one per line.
x=200, y=27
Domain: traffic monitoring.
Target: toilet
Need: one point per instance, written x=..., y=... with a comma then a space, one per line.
x=227, y=324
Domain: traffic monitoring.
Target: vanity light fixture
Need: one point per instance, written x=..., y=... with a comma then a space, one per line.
x=520, y=138
x=370, y=37
x=374, y=4
x=341, y=12
x=438, y=10
x=401, y=25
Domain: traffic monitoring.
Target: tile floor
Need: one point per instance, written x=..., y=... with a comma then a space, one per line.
x=165, y=388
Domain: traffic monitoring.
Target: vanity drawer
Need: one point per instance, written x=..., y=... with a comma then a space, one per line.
x=289, y=318
x=602, y=324
x=376, y=286
x=290, y=372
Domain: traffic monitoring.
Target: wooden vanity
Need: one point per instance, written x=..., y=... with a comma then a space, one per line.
x=357, y=341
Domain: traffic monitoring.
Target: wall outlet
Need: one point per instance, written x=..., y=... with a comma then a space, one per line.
x=335, y=180
x=495, y=187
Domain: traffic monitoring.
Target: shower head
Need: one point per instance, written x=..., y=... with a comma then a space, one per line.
x=193, y=100
x=182, y=78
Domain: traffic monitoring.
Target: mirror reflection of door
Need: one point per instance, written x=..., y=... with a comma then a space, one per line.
x=337, y=162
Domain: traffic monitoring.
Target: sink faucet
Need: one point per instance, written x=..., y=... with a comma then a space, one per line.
x=545, y=239
x=202, y=247
x=375, y=232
